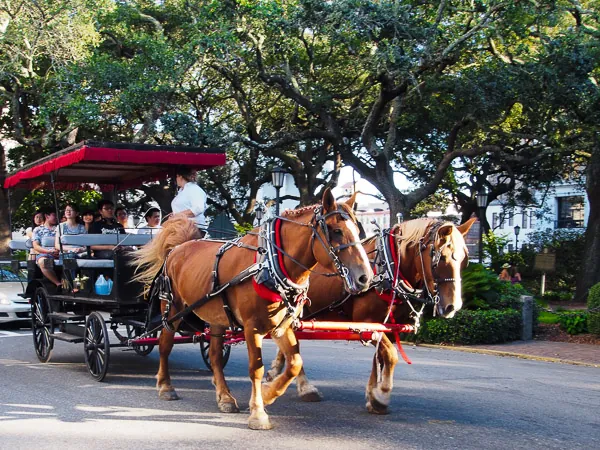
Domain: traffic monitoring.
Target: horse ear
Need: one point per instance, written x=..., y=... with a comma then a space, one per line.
x=350, y=202
x=465, y=227
x=328, y=201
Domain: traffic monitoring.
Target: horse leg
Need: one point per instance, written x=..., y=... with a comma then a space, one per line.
x=163, y=379
x=288, y=345
x=379, y=393
x=276, y=366
x=225, y=401
x=306, y=391
x=259, y=420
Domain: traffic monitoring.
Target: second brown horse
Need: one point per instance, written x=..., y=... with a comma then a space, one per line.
x=417, y=242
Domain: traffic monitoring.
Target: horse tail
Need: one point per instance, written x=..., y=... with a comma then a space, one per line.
x=150, y=258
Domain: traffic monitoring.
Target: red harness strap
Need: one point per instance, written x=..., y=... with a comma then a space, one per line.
x=398, y=344
x=261, y=289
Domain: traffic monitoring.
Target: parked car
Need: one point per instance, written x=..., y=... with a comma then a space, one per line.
x=12, y=307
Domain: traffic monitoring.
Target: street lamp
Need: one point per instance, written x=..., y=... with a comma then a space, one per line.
x=259, y=213
x=482, y=198
x=517, y=231
x=278, y=177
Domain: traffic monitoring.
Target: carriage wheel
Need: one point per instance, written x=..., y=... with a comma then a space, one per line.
x=204, y=346
x=132, y=333
x=96, y=346
x=41, y=326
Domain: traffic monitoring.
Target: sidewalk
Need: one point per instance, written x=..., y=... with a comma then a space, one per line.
x=561, y=352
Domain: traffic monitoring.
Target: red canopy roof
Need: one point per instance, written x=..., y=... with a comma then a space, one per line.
x=111, y=165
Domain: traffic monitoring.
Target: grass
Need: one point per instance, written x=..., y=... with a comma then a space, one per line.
x=548, y=317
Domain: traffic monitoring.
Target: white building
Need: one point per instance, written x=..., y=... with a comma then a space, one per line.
x=564, y=206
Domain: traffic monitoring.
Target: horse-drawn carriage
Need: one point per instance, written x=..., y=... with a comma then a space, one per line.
x=247, y=288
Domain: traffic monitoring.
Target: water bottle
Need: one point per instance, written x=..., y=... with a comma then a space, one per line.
x=101, y=286
x=109, y=286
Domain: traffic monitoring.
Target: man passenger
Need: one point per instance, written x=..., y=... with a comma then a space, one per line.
x=106, y=225
x=152, y=218
x=45, y=255
x=122, y=216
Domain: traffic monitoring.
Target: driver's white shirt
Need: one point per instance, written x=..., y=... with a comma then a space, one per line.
x=191, y=197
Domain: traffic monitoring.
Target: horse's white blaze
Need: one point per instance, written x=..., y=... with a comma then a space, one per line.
x=355, y=237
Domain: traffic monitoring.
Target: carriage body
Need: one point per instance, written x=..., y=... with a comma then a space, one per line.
x=78, y=316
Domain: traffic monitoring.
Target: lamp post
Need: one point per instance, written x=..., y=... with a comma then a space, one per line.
x=482, y=198
x=517, y=231
x=278, y=177
x=259, y=213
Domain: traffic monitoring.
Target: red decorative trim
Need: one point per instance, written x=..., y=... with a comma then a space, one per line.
x=121, y=156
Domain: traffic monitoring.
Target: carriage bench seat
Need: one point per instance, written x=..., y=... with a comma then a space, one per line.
x=20, y=245
x=95, y=263
x=89, y=240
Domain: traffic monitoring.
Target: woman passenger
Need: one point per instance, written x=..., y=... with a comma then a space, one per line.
x=88, y=219
x=38, y=220
x=70, y=226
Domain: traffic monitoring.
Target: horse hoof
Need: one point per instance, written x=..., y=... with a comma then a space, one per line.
x=229, y=407
x=311, y=395
x=374, y=407
x=168, y=395
x=259, y=423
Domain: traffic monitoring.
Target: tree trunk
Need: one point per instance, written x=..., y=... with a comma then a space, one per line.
x=589, y=273
x=5, y=229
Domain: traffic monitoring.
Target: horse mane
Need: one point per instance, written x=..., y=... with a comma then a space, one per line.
x=409, y=233
x=295, y=213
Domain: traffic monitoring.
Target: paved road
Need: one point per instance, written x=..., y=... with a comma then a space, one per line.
x=444, y=400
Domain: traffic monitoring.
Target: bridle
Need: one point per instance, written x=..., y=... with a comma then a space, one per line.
x=433, y=297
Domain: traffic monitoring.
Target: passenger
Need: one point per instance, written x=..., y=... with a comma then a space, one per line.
x=515, y=276
x=38, y=219
x=152, y=218
x=70, y=227
x=106, y=225
x=45, y=255
x=88, y=219
x=191, y=198
x=122, y=216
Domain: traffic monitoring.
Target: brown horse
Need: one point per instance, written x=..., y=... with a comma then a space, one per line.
x=432, y=254
x=325, y=234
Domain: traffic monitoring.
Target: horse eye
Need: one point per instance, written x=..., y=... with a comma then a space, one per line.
x=338, y=231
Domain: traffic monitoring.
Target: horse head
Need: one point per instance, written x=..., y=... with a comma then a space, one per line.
x=341, y=248
x=440, y=253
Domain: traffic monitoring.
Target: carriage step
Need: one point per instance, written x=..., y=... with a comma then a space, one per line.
x=67, y=337
x=64, y=317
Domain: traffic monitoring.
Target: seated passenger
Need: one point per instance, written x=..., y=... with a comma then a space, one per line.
x=38, y=219
x=106, y=225
x=122, y=217
x=152, y=218
x=45, y=255
x=70, y=227
x=88, y=219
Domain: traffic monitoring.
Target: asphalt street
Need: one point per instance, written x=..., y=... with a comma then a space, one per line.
x=444, y=400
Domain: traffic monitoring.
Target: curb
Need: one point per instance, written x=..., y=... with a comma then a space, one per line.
x=509, y=354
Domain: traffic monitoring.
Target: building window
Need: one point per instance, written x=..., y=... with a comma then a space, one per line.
x=510, y=247
x=494, y=220
x=570, y=212
x=501, y=219
x=524, y=221
x=532, y=219
x=511, y=220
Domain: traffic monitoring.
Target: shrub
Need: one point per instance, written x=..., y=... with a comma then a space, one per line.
x=593, y=304
x=573, y=323
x=473, y=327
x=480, y=287
x=558, y=296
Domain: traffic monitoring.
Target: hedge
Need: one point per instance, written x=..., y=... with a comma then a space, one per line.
x=593, y=304
x=472, y=327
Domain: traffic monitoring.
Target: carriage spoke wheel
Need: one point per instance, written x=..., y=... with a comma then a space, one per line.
x=96, y=346
x=132, y=333
x=41, y=326
x=204, y=347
